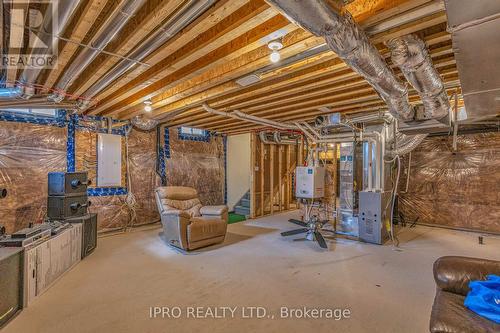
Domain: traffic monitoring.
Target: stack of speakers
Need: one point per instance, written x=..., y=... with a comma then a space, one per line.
x=68, y=203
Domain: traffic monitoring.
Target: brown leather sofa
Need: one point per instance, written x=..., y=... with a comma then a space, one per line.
x=452, y=275
x=186, y=223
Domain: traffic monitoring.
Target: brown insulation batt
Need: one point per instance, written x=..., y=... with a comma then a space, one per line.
x=27, y=153
x=199, y=165
x=113, y=212
x=458, y=190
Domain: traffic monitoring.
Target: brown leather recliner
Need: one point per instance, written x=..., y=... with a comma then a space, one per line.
x=452, y=275
x=186, y=223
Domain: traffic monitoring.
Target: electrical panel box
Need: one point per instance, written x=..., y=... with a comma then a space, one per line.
x=310, y=182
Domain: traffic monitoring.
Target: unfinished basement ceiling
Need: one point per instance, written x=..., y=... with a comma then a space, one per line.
x=207, y=46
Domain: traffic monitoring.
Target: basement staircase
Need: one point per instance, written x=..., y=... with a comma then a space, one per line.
x=243, y=206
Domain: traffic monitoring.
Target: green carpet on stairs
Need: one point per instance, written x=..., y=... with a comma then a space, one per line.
x=235, y=218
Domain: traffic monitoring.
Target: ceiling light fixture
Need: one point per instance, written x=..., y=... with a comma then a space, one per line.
x=147, y=105
x=275, y=46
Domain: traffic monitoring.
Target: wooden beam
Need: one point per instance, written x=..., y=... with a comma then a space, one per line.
x=347, y=105
x=280, y=176
x=313, y=75
x=253, y=163
x=300, y=103
x=151, y=15
x=288, y=178
x=213, y=16
x=350, y=108
x=262, y=187
x=188, y=56
x=229, y=87
x=145, y=92
x=271, y=176
x=342, y=82
x=86, y=19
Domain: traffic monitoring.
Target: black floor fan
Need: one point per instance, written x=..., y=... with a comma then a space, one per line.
x=311, y=229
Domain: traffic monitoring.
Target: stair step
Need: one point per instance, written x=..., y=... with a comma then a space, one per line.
x=247, y=196
x=245, y=202
x=240, y=210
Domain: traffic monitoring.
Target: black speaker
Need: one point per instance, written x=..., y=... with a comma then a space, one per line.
x=11, y=283
x=68, y=183
x=89, y=234
x=60, y=208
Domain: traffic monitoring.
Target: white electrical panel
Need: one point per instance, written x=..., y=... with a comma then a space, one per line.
x=109, y=160
x=310, y=182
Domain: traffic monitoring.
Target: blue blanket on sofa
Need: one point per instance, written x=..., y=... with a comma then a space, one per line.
x=484, y=298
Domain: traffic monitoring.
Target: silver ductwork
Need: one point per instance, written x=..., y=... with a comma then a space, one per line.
x=106, y=33
x=143, y=123
x=410, y=54
x=190, y=11
x=405, y=144
x=474, y=27
x=65, y=10
x=352, y=45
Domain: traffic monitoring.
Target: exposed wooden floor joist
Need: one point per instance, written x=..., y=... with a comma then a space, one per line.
x=226, y=42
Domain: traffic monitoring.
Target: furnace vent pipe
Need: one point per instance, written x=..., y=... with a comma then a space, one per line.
x=405, y=144
x=65, y=10
x=410, y=54
x=352, y=45
x=253, y=119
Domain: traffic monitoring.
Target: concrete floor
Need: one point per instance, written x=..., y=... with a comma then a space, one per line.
x=384, y=289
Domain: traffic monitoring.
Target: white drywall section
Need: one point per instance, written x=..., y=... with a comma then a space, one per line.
x=238, y=168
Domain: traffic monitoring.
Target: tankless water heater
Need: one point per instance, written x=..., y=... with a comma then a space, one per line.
x=310, y=182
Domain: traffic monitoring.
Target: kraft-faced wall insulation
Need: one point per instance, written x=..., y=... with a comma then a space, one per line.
x=112, y=210
x=197, y=164
x=27, y=153
x=455, y=189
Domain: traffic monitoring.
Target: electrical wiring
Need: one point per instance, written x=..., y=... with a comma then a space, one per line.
x=130, y=200
x=394, y=238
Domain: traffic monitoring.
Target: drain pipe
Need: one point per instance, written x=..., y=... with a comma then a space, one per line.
x=108, y=31
x=410, y=54
x=190, y=11
x=276, y=138
x=352, y=45
x=243, y=116
x=263, y=121
x=65, y=10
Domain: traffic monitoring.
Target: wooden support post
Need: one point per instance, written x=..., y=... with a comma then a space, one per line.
x=300, y=153
x=280, y=177
x=288, y=188
x=253, y=163
x=271, y=176
x=261, y=171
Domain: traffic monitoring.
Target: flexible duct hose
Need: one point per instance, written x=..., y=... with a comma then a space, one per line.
x=405, y=144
